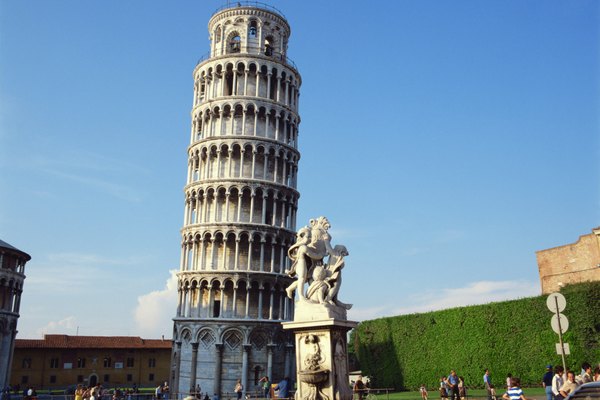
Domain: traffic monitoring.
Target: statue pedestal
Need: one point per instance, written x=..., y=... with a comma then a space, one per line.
x=321, y=355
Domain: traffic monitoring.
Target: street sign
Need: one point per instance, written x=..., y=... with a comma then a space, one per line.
x=564, y=323
x=565, y=346
x=554, y=300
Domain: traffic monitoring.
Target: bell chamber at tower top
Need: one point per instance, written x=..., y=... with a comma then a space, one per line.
x=252, y=29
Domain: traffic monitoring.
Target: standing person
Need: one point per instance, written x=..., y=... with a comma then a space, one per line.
x=586, y=374
x=569, y=385
x=423, y=391
x=165, y=390
x=79, y=392
x=487, y=383
x=443, y=388
x=359, y=388
x=547, y=382
x=514, y=392
x=266, y=385
x=239, y=388
x=158, y=392
x=557, y=380
x=453, y=385
x=462, y=390
x=284, y=388
x=508, y=381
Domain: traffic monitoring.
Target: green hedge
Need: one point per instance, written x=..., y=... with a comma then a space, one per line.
x=514, y=336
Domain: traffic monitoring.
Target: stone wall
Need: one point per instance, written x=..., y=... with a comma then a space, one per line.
x=572, y=263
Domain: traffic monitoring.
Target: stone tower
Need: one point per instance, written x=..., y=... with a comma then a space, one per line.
x=240, y=207
x=12, y=276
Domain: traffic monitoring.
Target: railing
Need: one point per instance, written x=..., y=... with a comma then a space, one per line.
x=274, y=54
x=257, y=4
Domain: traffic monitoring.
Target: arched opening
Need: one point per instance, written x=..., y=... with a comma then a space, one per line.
x=235, y=43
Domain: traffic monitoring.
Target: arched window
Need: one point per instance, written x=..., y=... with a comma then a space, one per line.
x=218, y=34
x=235, y=43
x=252, y=30
x=269, y=44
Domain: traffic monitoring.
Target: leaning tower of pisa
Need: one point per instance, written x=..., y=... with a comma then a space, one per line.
x=240, y=207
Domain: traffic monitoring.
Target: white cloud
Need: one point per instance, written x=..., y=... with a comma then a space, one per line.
x=480, y=292
x=65, y=325
x=155, y=310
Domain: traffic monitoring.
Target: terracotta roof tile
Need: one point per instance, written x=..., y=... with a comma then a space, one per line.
x=92, y=342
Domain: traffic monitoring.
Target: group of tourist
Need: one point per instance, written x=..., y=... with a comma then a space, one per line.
x=556, y=384
x=98, y=392
x=451, y=387
x=282, y=388
x=559, y=385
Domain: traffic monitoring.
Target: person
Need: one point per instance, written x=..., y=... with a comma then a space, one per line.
x=284, y=388
x=266, y=384
x=423, y=391
x=586, y=374
x=158, y=392
x=568, y=386
x=597, y=374
x=359, y=388
x=557, y=380
x=79, y=392
x=493, y=392
x=514, y=392
x=453, y=385
x=547, y=382
x=508, y=381
x=443, y=388
x=239, y=388
x=487, y=383
x=165, y=390
x=462, y=390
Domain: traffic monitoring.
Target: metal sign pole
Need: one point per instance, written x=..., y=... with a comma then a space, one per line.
x=560, y=338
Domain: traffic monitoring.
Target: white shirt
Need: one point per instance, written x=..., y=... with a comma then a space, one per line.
x=557, y=382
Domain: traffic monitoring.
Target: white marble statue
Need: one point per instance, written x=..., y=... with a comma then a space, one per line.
x=313, y=245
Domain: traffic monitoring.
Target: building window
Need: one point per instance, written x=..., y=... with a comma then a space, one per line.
x=107, y=362
x=26, y=363
x=106, y=378
x=129, y=362
x=216, y=308
x=129, y=378
x=54, y=363
x=81, y=362
x=151, y=362
x=24, y=379
x=52, y=378
x=79, y=378
x=252, y=30
x=151, y=377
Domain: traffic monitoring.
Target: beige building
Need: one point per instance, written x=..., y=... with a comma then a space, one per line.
x=59, y=361
x=572, y=263
x=12, y=276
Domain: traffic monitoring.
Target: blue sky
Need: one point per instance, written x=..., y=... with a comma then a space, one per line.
x=445, y=141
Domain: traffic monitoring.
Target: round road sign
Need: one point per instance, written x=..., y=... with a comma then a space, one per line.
x=555, y=300
x=564, y=323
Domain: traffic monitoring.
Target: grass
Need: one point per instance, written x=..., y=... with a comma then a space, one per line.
x=533, y=393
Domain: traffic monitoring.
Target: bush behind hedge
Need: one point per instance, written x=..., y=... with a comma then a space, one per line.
x=514, y=336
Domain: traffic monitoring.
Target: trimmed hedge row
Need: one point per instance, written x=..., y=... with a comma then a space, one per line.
x=514, y=336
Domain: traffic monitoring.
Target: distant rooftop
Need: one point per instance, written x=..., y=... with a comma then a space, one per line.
x=92, y=342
